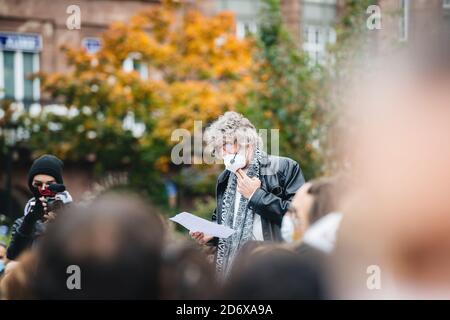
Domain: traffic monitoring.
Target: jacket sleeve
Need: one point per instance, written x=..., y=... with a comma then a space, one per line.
x=273, y=207
x=19, y=241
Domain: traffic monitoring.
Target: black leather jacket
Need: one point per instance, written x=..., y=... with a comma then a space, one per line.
x=19, y=241
x=27, y=229
x=280, y=179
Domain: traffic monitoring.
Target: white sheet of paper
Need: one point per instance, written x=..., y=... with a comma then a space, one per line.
x=197, y=224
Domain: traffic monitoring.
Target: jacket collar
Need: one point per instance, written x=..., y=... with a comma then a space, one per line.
x=223, y=176
x=265, y=161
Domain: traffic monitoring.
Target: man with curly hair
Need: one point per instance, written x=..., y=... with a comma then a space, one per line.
x=254, y=191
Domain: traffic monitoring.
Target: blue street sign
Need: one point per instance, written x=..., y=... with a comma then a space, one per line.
x=20, y=41
x=92, y=45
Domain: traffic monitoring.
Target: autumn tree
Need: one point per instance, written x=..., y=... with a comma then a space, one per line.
x=185, y=67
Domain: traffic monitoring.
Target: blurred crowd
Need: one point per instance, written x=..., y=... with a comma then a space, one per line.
x=378, y=229
x=124, y=250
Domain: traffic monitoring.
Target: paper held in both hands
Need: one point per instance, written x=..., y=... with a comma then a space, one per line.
x=197, y=224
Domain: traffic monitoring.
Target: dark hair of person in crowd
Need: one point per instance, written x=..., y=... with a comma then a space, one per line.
x=274, y=272
x=116, y=242
x=323, y=191
x=250, y=249
x=186, y=274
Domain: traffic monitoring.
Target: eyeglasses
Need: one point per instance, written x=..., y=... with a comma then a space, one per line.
x=227, y=147
x=219, y=150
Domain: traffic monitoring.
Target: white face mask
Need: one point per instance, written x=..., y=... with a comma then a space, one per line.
x=233, y=162
x=287, y=228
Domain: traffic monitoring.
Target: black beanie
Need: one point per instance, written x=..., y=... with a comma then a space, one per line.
x=46, y=164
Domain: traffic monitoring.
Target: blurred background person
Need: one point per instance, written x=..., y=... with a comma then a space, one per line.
x=172, y=192
x=315, y=201
x=253, y=193
x=45, y=172
x=314, y=217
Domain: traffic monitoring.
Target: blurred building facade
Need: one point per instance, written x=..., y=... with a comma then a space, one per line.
x=32, y=32
x=31, y=35
x=412, y=21
x=311, y=22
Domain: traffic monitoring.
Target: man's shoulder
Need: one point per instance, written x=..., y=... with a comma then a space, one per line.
x=282, y=159
x=273, y=164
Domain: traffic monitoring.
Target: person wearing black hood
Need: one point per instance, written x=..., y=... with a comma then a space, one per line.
x=44, y=172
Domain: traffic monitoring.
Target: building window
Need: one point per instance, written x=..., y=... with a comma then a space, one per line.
x=404, y=20
x=19, y=60
x=446, y=4
x=16, y=82
x=246, y=14
x=318, y=20
x=134, y=63
x=315, y=42
x=244, y=28
x=8, y=79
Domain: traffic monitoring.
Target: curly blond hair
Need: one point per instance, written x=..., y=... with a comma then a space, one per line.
x=232, y=127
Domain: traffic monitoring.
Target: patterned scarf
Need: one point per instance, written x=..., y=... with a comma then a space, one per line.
x=243, y=221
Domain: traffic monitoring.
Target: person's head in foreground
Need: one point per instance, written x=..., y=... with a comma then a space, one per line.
x=116, y=248
x=395, y=238
x=112, y=248
x=273, y=272
x=186, y=274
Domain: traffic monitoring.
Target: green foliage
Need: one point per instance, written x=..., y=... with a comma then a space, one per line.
x=204, y=207
x=352, y=33
x=348, y=54
x=289, y=95
x=5, y=239
x=5, y=221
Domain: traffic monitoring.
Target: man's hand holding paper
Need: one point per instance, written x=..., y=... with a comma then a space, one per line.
x=197, y=225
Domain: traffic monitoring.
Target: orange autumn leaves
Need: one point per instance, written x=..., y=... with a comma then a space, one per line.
x=197, y=69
